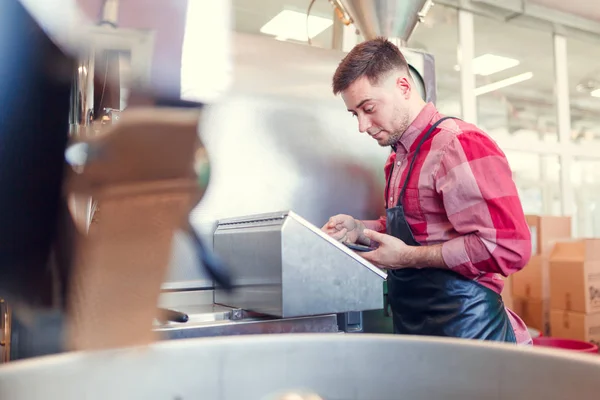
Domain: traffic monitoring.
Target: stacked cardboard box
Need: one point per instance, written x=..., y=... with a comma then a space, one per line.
x=531, y=285
x=575, y=290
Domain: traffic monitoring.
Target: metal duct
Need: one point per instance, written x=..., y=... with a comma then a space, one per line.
x=389, y=18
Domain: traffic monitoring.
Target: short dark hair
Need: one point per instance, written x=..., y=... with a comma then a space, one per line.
x=372, y=58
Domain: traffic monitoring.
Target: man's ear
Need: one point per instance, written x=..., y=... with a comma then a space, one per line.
x=404, y=85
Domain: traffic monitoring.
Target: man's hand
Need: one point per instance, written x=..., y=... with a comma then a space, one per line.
x=393, y=253
x=344, y=228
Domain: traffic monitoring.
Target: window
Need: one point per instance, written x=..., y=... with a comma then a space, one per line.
x=514, y=69
x=438, y=35
x=537, y=178
x=585, y=177
x=584, y=84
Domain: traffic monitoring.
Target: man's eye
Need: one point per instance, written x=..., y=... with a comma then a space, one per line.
x=369, y=110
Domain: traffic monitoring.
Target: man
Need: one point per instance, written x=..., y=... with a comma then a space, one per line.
x=454, y=224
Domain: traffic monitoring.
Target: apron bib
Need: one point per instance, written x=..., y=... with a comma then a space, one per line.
x=440, y=302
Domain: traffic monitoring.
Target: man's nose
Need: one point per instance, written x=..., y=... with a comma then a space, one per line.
x=363, y=124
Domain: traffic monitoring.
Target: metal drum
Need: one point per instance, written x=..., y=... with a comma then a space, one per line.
x=334, y=367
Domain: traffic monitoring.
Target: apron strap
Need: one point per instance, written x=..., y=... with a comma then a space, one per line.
x=412, y=162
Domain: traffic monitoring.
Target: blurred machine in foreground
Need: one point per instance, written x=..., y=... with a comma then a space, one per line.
x=330, y=366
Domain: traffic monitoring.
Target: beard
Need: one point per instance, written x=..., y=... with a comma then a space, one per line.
x=401, y=124
x=392, y=139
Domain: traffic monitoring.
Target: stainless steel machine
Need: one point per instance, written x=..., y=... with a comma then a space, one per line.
x=286, y=267
x=332, y=367
x=288, y=276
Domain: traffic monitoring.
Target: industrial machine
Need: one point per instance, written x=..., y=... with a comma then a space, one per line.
x=289, y=277
x=286, y=267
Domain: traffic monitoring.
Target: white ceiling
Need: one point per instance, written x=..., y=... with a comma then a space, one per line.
x=583, y=8
x=528, y=104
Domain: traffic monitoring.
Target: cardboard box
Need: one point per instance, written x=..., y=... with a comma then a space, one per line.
x=533, y=281
x=575, y=286
x=576, y=250
x=573, y=325
x=575, y=276
x=547, y=230
x=535, y=313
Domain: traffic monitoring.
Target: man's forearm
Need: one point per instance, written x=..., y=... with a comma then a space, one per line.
x=425, y=256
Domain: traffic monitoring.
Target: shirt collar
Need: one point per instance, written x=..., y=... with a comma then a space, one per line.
x=417, y=127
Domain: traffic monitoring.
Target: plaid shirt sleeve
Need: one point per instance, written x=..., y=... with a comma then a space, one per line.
x=482, y=204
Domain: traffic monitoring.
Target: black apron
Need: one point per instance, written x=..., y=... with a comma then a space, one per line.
x=440, y=302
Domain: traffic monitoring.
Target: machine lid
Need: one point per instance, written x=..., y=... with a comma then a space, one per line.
x=388, y=18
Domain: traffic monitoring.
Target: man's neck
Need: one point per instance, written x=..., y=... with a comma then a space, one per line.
x=415, y=109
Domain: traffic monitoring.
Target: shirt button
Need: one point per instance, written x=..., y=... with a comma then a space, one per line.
x=391, y=199
x=398, y=163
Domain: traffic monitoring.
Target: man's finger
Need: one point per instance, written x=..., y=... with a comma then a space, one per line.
x=340, y=234
x=337, y=219
x=329, y=231
x=376, y=236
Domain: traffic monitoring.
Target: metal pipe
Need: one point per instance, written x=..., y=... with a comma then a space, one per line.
x=563, y=109
x=466, y=54
x=337, y=39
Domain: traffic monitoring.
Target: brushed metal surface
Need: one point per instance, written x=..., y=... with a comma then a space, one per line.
x=349, y=367
x=282, y=141
x=286, y=267
x=185, y=298
x=253, y=254
x=389, y=18
x=251, y=326
x=265, y=66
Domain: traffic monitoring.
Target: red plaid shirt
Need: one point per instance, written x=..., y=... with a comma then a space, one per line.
x=461, y=194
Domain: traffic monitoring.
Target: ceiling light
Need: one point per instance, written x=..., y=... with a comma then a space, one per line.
x=290, y=24
x=595, y=93
x=489, y=64
x=503, y=83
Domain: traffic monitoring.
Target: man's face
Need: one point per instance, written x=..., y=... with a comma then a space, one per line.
x=382, y=109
